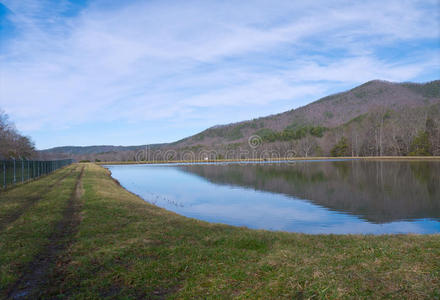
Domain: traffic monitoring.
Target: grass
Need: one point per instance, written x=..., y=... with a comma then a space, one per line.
x=34, y=209
x=125, y=248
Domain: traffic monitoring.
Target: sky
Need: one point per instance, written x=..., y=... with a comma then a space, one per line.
x=141, y=72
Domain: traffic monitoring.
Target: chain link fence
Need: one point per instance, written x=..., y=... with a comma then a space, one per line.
x=21, y=170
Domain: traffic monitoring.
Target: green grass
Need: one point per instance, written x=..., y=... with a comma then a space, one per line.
x=22, y=240
x=126, y=248
x=15, y=199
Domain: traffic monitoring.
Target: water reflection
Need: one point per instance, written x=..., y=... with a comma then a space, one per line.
x=379, y=191
x=311, y=197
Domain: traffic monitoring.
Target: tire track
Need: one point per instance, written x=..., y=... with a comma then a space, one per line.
x=31, y=201
x=35, y=281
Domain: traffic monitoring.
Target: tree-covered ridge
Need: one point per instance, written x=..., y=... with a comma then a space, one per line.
x=374, y=119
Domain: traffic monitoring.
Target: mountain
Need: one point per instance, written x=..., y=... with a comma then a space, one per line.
x=331, y=111
x=80, y=150
x=375, y=118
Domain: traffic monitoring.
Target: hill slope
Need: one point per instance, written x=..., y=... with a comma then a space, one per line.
x=79, y=150
x=375, y=118
x=331, y=111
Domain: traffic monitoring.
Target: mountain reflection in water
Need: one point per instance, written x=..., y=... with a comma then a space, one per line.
x=306, y=196
x=378, y=191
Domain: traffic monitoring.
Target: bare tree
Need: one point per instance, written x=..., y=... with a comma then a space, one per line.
x=307, y=145
x=12, y=143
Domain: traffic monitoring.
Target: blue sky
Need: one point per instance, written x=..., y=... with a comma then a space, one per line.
x=140, y=72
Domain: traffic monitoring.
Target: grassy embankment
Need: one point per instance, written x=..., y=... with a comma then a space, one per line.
x=81, y=235
x=287, y=159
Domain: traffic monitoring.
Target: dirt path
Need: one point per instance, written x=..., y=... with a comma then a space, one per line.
x=30, y=285
x=29, y=202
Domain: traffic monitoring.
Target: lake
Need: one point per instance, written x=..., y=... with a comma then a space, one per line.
x=340, y=197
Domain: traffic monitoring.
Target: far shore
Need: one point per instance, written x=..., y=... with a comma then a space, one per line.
x=284, y=159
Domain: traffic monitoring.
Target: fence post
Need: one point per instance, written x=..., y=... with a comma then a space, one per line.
x=4, y=174
x=22, y=170
x=15, y=179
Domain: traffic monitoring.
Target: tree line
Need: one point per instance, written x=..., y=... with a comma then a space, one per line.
x=12, y=143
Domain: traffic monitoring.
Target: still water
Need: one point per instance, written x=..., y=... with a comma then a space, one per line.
x=371, y=197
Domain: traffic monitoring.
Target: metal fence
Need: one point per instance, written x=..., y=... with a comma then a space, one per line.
x=21, y=170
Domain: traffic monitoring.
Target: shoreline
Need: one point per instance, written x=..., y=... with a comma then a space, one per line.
x=277, y=160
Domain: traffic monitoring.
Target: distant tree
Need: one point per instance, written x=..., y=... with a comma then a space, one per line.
x=268, y=135
x=408, y=128
x=318, y=131
x=378, y=116
x=307, y=145
x=12, y=143
x=421, y=145
x=433, y=130
x=341, y=148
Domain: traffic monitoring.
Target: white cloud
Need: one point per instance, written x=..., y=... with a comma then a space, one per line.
x=361, y=69
x=169, y=59
x=259, y=92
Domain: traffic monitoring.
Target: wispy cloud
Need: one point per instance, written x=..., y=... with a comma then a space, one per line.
x=65, y=64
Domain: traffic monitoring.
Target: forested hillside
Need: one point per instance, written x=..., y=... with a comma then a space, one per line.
x=374, y=119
